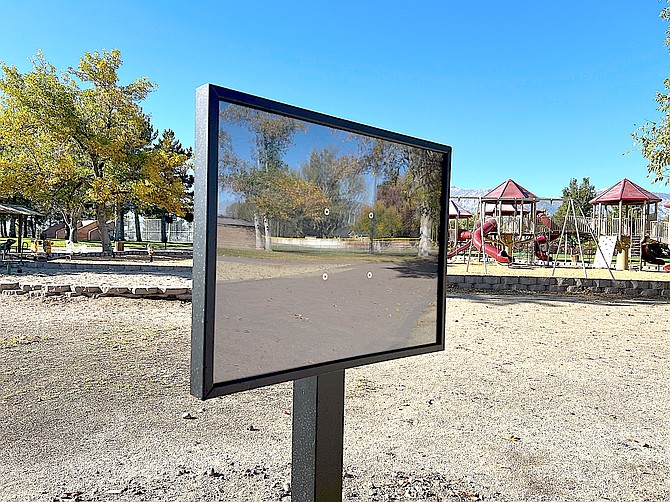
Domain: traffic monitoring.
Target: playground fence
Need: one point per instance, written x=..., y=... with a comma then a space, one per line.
x=179, y=231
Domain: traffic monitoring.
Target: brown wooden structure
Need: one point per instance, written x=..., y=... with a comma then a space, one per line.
x=21, y=212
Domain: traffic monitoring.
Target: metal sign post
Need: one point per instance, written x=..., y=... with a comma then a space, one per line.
x=318, y=438
x=239, y=342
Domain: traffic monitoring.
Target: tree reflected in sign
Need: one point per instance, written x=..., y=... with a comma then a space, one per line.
x=336, y=248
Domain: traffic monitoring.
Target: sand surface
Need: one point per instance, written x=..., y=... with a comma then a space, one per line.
x=534, y=398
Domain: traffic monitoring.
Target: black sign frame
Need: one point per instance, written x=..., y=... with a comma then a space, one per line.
x=208, y=98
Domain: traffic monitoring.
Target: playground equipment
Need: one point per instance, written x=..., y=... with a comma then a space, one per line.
x=459, y=239
x=6, y=246
x=41, y=246
x=656, y=253
x=508, y=221
x=623, y=215
x=576, y=246
x=151, y=251
x=490, y=226
x=624, y=226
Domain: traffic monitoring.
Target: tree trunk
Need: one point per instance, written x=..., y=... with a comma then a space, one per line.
x=12, y=226
x=101, y=217
x=3, y=226
x=424, y=239
x=257, y=230
x=138, y=228
x=69, y=228
x=72, y=226
x=268, y=238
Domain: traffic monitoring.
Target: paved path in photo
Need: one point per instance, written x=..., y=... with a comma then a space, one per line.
x=276, y=324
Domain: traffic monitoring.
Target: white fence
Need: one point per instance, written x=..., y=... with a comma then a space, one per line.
x=660, y=230
x=657, y=230
x=361, y=244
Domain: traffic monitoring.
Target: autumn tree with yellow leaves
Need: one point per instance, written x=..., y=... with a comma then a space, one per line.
x=78, y=138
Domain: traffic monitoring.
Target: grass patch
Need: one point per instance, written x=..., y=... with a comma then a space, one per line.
x=157, y=245
x=61, y=243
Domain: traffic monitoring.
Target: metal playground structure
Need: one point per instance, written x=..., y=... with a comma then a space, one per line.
x=509, y=225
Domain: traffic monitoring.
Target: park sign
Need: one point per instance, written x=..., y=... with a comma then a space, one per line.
x=337, y=258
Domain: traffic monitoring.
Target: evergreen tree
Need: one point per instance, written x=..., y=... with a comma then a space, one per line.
x=581, y=194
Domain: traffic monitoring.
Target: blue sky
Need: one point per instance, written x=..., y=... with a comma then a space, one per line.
x=536, y=91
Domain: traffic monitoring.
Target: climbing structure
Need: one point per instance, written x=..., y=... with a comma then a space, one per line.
x=459, y=237
x=509, y=221
x=623, y=214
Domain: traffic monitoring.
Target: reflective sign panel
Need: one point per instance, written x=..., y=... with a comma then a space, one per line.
x=318, y=243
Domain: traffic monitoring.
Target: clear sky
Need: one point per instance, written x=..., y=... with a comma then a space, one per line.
x=535, y=91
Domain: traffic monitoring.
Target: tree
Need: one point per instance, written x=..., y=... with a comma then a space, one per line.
x=84, y=136
x=425, y=173
x=383, y=161
x=387, y=221
x=44, y=169
x=337, y=178
x=653, y=138
x=163, y=184
x=581, y=194
x=416, y=172
x=265, y=181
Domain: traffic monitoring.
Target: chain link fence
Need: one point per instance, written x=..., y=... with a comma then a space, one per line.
x=179, y=231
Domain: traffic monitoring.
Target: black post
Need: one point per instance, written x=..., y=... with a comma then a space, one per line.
x=20, y=244
x=318, y=438
x=120, y=223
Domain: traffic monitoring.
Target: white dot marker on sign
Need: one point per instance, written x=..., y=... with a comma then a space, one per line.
x=369, y=275
x=325, y=276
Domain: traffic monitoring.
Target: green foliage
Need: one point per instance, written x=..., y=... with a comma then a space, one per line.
x=387, y=222
x=77, y=138
x=162, y=183
x=266, y=184
x=653, y=138
x=581, y=194
x=396, y=195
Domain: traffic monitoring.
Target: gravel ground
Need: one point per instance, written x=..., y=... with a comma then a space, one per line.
x=534, y=398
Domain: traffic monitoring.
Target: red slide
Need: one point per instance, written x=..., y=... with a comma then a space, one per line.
x=462, y=247
x=499, y=255
x=463, y=235
x=554, y=233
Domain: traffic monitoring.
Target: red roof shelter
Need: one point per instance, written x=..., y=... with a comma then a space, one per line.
x=510, y=199
x=511, y=191
x=626, y=192
x=637, y=207
x=457, y=211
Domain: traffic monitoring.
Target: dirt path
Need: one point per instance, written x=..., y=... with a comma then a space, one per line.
x=287, y=322
x=535, y=398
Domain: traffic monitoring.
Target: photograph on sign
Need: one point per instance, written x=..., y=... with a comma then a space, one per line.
x=326, y=244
